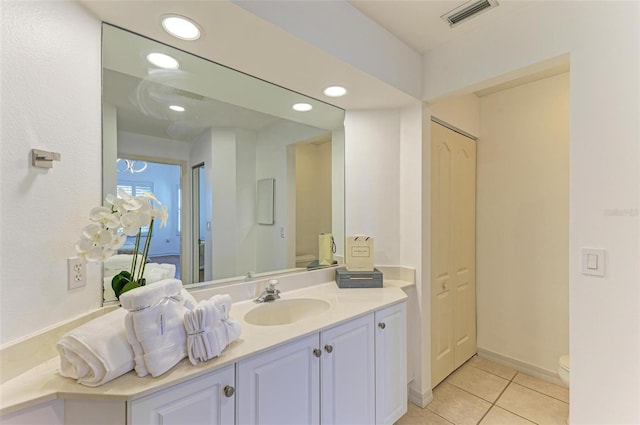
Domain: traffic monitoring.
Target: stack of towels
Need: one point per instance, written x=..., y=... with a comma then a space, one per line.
x=210, y=329
x=154, y=325
x=149, y=334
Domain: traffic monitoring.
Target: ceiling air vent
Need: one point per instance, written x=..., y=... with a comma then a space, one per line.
x=188, y=94
x=467, y=11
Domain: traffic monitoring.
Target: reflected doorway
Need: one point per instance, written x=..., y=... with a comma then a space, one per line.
x=137, y=175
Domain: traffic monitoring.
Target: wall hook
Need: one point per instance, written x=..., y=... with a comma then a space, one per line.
x=43, y=159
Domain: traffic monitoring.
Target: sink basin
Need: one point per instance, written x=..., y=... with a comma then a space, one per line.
x=285, y=312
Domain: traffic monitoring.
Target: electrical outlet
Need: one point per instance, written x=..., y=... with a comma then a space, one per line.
x=76, y=272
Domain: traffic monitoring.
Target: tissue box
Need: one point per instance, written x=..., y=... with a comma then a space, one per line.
x=351, y=279
x=359, y=252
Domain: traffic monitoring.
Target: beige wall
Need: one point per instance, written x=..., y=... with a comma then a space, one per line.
x=522, y=222
x=313, y=195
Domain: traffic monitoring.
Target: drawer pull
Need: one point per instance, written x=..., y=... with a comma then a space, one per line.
x=229, y=391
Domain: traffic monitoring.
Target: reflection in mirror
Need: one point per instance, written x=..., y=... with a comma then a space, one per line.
x=201, y=137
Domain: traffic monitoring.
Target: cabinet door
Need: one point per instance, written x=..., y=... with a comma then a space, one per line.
x=199, y=401
x=348, y=373
x=281, y=386
x=391, y=363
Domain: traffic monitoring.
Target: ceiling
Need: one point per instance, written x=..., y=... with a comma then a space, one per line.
x=245, y=42
x=418, y=23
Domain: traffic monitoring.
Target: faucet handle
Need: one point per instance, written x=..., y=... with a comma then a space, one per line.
x=271, y=285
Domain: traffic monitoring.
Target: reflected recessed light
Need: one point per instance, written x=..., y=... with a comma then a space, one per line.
x=335, y=91
x=162, y=61
x=302, y=107
x=176, y=108
x=181, y=27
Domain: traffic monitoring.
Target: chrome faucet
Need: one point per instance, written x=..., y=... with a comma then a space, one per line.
x=270, y=293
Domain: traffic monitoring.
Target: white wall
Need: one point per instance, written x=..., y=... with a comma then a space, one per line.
x=522, y=221
x=45, y=105
x=372, y=180
x=345, y=33
x=603, y=41
x=246, y=223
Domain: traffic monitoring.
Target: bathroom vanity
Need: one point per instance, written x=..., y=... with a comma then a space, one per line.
x=342, y=364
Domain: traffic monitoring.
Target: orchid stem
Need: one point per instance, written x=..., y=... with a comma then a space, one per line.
x=135, y=254
x=145, y=252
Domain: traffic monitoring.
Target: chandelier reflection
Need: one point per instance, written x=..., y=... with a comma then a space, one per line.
x=130, y=165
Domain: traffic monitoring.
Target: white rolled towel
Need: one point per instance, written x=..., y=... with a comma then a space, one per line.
x=154, y=325
x=96, y=352
x=210, y=329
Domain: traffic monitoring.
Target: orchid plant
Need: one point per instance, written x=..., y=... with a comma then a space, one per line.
x=124, y=215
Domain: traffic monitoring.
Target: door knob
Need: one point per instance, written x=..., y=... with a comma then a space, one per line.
x=382, y=325
x=228, y=391
x=317, y=352
x=328, y=348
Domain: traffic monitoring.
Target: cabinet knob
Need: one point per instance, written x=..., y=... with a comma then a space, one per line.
x=328, y=348
x=382, y=325
x=317, y=352
x=228, y=391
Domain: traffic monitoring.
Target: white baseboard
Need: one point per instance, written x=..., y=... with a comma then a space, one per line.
x=419, y=398
x=521, y=366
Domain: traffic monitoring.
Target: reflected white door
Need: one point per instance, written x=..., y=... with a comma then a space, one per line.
x=453, y=293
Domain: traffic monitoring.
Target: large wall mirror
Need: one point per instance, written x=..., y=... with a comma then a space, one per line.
x=202, y=136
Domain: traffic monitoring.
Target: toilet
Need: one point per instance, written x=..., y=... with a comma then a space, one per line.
x=563, y=369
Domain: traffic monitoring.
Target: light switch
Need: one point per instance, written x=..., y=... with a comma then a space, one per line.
x=593, y=261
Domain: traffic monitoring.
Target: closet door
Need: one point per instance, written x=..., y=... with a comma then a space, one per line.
x=453, y=300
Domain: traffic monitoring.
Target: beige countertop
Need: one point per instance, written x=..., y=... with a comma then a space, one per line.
x=43, y=382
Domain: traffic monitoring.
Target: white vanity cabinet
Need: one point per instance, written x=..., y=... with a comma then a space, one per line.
x=391, y=363
x=329, y=377
x=208, y=399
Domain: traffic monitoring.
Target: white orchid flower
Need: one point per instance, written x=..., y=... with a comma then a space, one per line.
x=115, y=201
x=105, y=216
x=133, y=221
x=162, y=214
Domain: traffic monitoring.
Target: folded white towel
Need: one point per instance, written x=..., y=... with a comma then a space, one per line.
x=210, y=329
x=154, y=325
x=96, y=352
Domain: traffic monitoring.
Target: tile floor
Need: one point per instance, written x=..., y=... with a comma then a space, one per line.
x=485, y=393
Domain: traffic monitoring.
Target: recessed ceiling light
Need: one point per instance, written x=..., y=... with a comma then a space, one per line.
x=176, y=108
x=162, y=61
x=335, y=91
x=181, y=27
x=302, y=107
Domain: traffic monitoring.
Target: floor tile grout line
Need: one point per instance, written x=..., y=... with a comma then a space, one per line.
x=540, y=392
x=498, y=398
x=513, y=377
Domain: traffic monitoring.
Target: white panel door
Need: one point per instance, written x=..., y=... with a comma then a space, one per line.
x=281, y=386
x=348, y=373
x=453, y=302
x=391, y=363
x=200, y=401
x=463, y=246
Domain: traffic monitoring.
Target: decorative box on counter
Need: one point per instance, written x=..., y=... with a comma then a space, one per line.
x=358, y=279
